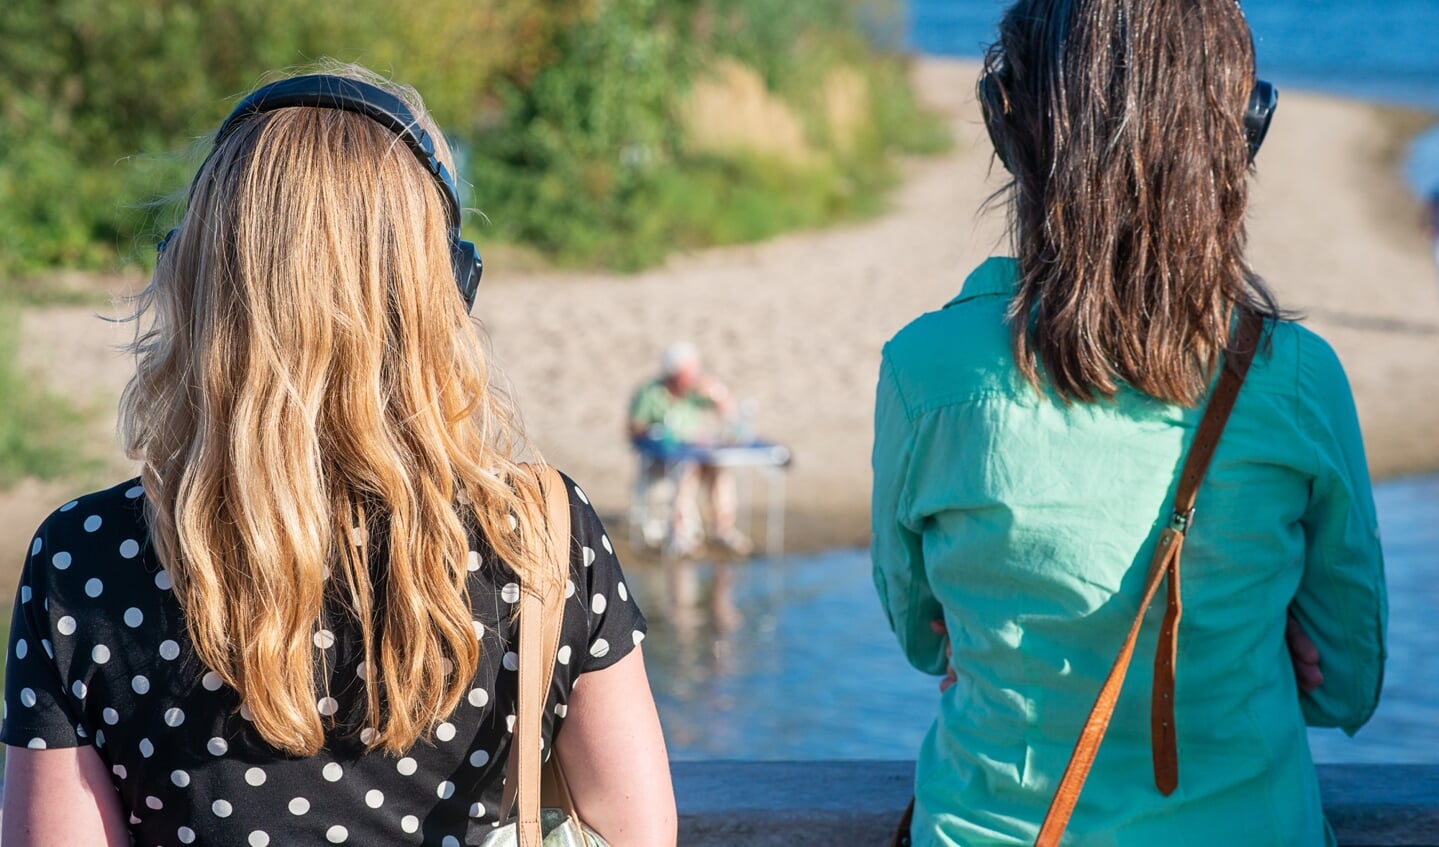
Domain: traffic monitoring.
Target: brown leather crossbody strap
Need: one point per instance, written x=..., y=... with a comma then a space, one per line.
x=1164, y=563
x=541, y=620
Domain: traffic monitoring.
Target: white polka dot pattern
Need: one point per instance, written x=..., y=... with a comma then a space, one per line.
x=114, y=619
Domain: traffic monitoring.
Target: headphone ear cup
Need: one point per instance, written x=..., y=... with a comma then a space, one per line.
x=992, y=106
x=468, y=268
x=1263, y=100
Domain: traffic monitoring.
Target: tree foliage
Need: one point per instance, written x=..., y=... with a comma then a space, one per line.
x=564, y=112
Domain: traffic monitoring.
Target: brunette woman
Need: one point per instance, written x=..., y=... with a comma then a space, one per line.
x=1028, y=439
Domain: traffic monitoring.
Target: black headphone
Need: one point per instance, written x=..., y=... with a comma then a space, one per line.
x=1263, y=101
x=349, y=95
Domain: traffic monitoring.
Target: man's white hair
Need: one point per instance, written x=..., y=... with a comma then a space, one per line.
x=676, y=356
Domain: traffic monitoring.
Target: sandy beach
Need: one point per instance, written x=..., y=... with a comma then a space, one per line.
x=797, y=323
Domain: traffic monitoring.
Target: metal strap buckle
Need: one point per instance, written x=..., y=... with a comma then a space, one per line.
x=1181, y=521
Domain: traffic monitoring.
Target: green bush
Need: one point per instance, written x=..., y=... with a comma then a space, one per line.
x=589, y=163
x=565, y=112
x=101, y=101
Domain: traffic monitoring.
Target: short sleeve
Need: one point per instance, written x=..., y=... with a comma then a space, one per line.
x=38, y=709
x=612, y=624
x=646, y=408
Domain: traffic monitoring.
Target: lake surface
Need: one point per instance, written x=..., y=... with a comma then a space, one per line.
x=812, y=671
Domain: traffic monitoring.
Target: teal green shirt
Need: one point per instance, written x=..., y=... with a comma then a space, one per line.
x=1028, y=526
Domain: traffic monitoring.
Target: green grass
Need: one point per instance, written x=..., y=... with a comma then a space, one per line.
x=41, y=433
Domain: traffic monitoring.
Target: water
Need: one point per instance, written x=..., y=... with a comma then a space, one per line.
x=812, y=671
x=1381, y=50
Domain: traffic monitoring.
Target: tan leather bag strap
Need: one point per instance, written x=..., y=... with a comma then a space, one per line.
x=1164, y=563
x=541, y=620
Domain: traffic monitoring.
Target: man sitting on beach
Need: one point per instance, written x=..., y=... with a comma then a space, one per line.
x=682, y=408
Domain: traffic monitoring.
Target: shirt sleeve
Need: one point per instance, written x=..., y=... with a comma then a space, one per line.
x=1341, y=601
x=613, y=625
x=39, y=712
x=645, y=408
x=896, y=542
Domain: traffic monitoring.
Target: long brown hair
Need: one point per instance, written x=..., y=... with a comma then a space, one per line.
x=1122, y=123
x=309, y=391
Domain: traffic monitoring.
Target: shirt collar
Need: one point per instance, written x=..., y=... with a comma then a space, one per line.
x=995, y=276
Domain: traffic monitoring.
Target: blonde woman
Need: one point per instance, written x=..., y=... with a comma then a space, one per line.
x=297, y=626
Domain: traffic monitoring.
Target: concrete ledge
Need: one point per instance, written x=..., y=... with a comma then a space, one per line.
x=844, y=803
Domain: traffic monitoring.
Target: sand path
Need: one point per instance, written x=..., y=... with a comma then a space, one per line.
x=797, y=323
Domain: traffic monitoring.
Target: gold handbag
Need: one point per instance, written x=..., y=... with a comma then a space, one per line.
x=537, y=797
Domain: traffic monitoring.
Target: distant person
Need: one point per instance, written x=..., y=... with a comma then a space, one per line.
x=685, y=407
x=297, y=625
x=1028, y=440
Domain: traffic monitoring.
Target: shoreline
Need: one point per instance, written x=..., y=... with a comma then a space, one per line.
x=796, y=323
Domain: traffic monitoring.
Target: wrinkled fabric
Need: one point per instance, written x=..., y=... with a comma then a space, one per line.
x=1028, y=525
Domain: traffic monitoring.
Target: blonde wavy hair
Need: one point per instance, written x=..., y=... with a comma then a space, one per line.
x=310, y=392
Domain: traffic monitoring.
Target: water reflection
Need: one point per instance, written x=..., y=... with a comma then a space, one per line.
x=792, y=659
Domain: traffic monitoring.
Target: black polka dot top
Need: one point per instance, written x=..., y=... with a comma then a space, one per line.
x=99, y=655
